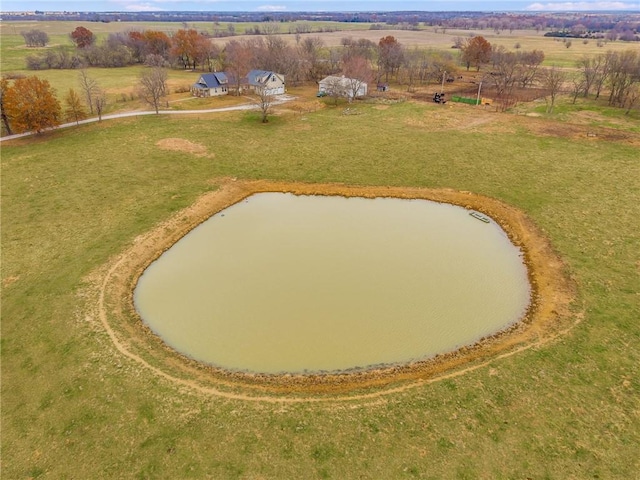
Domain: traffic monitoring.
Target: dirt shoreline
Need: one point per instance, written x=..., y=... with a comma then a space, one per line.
x=548, y=315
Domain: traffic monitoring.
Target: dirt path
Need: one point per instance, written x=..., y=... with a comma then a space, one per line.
x=280, y=99
x=548, y=317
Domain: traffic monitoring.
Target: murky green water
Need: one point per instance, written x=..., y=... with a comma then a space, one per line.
x=285, y=283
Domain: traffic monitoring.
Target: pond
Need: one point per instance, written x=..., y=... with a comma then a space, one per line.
x=304, y=284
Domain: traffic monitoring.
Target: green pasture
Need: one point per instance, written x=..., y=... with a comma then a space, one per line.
x=73, y=407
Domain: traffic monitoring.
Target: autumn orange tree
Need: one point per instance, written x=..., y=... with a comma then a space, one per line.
x=238, y=57
x=156, y=43
x=4, y=86
x=74, y=109
x=83, y=37
x=189, y=47
x=390, y=56
x=476, y=51
x=31, y=105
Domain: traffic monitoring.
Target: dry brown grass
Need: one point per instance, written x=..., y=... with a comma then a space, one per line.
x=185, y=146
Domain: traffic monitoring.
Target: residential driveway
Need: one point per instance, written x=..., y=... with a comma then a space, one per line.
x=280, y=99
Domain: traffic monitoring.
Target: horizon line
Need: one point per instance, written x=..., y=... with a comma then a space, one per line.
x=279, y=12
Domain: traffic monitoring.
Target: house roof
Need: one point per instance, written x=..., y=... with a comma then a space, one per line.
x=212, y=80
x=343, y=81
x=259, y=78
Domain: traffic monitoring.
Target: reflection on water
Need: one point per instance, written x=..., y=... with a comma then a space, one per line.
x=285, y=283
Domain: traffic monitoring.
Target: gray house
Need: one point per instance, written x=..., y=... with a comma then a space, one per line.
x=210, y=85
x=270, y=82
x=342, y=87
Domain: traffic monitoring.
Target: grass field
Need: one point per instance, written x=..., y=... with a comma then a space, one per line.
x=73, y=407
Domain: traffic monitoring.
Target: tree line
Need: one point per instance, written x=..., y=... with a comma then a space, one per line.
x=506, y=73
x=309, y=59
x=510, y=72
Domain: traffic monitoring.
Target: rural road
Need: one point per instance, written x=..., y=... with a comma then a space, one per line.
x=280, y=99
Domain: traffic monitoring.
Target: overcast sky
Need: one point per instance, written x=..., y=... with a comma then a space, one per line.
x=315, y=5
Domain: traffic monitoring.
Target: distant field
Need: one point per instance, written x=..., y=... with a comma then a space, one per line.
x=100, y=28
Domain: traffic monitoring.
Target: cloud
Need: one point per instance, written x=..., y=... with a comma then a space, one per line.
x=271, y=8
x=136, y=6
x=580, y=6
x=141, y=7
x=157, y=5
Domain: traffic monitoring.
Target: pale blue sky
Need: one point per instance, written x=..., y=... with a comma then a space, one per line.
x=316, y=5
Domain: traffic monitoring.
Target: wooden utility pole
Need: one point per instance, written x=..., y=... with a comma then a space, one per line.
x=479, y=88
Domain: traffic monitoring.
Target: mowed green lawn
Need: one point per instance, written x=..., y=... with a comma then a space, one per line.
x=73, y=407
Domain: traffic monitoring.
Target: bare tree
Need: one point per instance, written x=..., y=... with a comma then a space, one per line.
x=100, y=102
x=212, y=57
x=89, y=87
x=358, y=48
x=553, y=80
x=270, y=28
x=591, y=69
x=358, y=73
x=310, y=50
x=434, y=64
x=410, y=68
x=606, y=69
x=458, y=42
x=632, y=98
x=276, y=54
x=238, y=59
x=625, y=72
x=504, y=75
x=264, y=103
x=529, y=64
x=335, y=88
x=153, y=86
x=578, y=86
x=35, y=38
x=335, y=57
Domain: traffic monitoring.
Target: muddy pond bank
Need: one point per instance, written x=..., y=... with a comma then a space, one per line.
x=547, y=316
